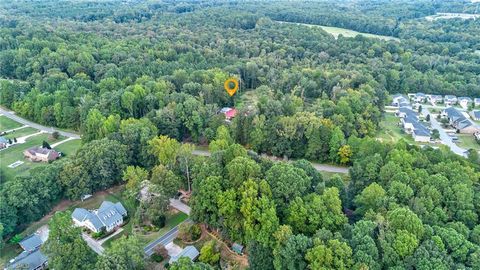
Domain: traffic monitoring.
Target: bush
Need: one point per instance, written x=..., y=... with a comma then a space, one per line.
x=55, y=135
x=189, y=232
x=157, y=258
x=16, y=239
x=159, y=221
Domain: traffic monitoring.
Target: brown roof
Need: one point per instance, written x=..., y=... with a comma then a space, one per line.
x=51, y=154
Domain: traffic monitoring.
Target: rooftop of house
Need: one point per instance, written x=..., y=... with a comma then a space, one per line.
x=50, y=153
x=420, y=94
x=453, y=113
x=464, y=124
x=464, y=98
x=28, y=260
x=476, y=100
x=189, y=251
x=408, y=112
x=450, y=97
x=31, y=243
x=476, y=114
x=3, y=140
x=420, y=129
x=106, y=215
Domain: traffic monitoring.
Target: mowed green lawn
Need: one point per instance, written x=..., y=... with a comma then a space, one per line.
x=69, y=147
x=7, y=123
x=20, y=133
x=15, y=153
x=467, y=141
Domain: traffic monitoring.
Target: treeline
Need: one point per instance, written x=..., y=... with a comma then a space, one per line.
x=403, y=208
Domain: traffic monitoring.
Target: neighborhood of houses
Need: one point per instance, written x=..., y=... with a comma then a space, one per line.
x=457, y=115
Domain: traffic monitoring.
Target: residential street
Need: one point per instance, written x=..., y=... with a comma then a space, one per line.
x=446, y=139
x=13, y=116
x=317, y=166
x=163, y=240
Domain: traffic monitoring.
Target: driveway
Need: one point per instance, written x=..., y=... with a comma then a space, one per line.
x=446, y=139
x=21, y=120
x=180, y=206
x=93, y=244
x=317, y=166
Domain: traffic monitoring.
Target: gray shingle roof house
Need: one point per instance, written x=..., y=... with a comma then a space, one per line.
x=458, y=121
x=189, y=251
x=29, y=260
x=475, y=115
x=400, y=100
x=450, y=100
x=107, y=217
x=476, y=101
x=412, y=125
x=31, y=243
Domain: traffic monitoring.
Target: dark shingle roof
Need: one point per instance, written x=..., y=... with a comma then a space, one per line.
x=31, y=243
x=28, y=260
x=107, y=214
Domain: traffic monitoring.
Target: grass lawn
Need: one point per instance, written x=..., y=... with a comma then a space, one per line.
x=7, y=123
x=21, y=132
x=390, y=131
x=69, y=147
x=15, y=152
x=467, y=141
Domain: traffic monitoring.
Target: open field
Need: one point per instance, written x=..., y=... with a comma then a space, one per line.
x=336, y=31
x=8, y=124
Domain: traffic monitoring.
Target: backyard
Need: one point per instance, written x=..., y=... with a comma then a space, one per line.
x=467, y=141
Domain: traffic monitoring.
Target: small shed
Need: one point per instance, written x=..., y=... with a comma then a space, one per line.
x=237, y=248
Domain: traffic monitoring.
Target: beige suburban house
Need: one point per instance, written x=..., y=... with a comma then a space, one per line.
x=39, y=154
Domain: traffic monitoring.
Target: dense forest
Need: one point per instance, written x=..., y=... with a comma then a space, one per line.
x=140, y=78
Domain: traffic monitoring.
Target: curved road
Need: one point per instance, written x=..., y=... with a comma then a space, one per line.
x=446, y=139
x=13, y=116
x=317, y=166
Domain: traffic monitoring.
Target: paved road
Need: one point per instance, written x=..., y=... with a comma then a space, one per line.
x=446, y=139
x=317, y=166
x=21, y=120
x=163, y=240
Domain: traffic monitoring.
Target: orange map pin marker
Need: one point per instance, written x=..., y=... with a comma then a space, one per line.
x=231, y=91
